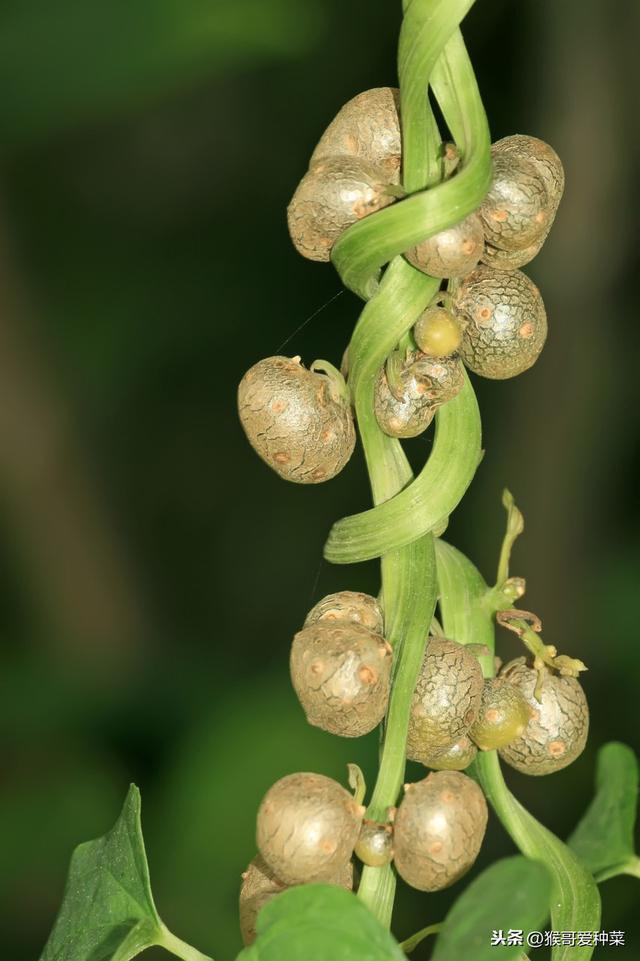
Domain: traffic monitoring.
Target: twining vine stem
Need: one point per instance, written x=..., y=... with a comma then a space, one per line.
x=417, y=567
x=409, y=583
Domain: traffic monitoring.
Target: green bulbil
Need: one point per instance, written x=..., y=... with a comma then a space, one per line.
x=503, y=715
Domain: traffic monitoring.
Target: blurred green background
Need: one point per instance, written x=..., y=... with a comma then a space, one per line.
x=153, y=570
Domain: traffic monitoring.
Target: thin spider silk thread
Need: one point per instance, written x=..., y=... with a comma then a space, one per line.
x=309, y=319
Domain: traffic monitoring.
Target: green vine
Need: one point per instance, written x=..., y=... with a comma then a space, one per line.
x=108, y=899
x=399, y=527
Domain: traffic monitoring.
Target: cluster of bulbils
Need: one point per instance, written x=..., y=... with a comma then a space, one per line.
x=491, y=317
x=309, y=826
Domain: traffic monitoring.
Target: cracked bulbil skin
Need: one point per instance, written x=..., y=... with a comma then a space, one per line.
x=368, y=128
x=307, y=828
x=341, y=674
x=446, y=699
x=457, y=757
x=516, y=209
x=451, y=253
x=424, y=384
x=295, y=420
x=509, y=260
x=375, y=844
x=557, y=731
x=348, y=606
x=506, y=323
x=438, y=830
x=437, y=332
x=504, y=714
x=549, y=168
x=260, y=885
x=542, y=158
x=333, y=195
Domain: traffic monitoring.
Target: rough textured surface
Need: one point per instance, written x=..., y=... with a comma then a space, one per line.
x=438, y=830
x=451, y=253
x=349, y=606
x=512, y=259
x=504, y=713
x=333, y=195
x=375, y=844
x=307, y=828
x=446, y=699
x=557, y=731
x=542, y=157
x=367, y=127
x=548, y=166
x=454, y=758
x=423, y=384
x=259, y=885
x=506, y=322
x=516, y=210
x=341, y=674
x=295, y=420
x=437, y=332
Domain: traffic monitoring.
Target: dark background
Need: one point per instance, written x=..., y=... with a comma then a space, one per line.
x=152, y=569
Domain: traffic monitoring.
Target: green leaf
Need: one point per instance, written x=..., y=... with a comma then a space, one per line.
x=512, y=893
x=604, y=837
x=315, y=922
x=575, y=900
x=108, y=910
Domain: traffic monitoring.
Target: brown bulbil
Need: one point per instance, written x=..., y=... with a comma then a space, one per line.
x=455, y=758
x=296, y=420
x=341, y=673
x=437, y=333
x=446, y=699
x=557, y=730
x=542, y=158
x=504, y=713
x=307, y=828
x=423, y=384
x=438, y=830
x=548, y=166
x=506, y=322
x=260, y=885
x=375, y=844
x=367, y=127
x=516, y=209
x=348, y=606
x=451, y=253
x=333, y=195
x=511, y=259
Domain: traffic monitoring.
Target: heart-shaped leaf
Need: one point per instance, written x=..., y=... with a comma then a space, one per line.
x=108, y=912
x=315, y=922
x=511, y=895
x=603, y=839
